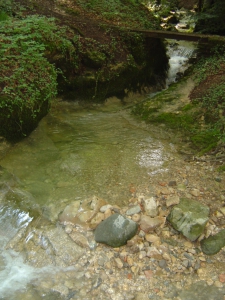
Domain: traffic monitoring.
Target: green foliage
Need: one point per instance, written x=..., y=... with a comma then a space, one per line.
x=176, y=121
x=6, y=5
x=205, y=139
x=125, y=12
x=211, y=20
x=212, y=102
x=27, y=78
x=3, y=16
x=207, y=66
x=221, y=168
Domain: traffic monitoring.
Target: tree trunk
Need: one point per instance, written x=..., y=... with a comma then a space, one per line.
x=200, y=3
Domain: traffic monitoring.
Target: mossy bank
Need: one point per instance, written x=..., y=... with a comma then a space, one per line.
x=195, y=105
x=77, y=50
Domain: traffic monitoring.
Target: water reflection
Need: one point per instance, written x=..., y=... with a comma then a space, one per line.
x=151, y=158
x=81, y=154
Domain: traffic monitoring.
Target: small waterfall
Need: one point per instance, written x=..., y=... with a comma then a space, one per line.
x=14, y=274
x=50, y=159
x=179, y=55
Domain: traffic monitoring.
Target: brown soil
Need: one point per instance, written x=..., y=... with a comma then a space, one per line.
x=208, y=83
x=87, y=24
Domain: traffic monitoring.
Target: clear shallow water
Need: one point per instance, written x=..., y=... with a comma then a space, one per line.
x=75, y=153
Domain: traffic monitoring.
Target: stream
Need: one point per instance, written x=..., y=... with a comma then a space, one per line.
x=75, y=153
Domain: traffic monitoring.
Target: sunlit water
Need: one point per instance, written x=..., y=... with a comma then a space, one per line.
x=76, y=153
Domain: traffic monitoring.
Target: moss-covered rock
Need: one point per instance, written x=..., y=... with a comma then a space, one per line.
x=85, y=59
x=189, y=217
x=213, y=244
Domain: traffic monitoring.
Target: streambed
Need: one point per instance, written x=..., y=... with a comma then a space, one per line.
x=76, y=153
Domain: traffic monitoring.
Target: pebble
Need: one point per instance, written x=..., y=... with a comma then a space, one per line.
x=195, y=192
x=119, y=263
x=133, y=210
x=158, y=262
x=172, y=200
x=151, y=207
x=142, y=254
x=152, y=238
x=136, y=218
x=104, y=208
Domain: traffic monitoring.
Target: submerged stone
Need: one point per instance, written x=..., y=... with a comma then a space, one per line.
x=151, y=207
x=150, y=224
x=201, y=291
x=189, y=217
x=70, y=212
x=133, y=210
x=115, y=231
x=213, y=244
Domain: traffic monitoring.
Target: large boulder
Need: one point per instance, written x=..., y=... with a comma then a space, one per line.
x=189, y=217
x=213, y=244
x=115, y=231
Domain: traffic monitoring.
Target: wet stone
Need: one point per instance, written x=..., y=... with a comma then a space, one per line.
x=133, y=210
x=104, y=208
x=69, y=213
x=189, y=217
x=149, y=224
x=136, y=217
x=151, y=207
x=213, y=244
x=195, y=192
x=79, y=239
x=115, y=231
x=162, y=263
x=173, y=200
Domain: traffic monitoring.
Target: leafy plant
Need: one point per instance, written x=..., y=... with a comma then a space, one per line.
x=28, y=79
x=212, y=102
x=122, y=12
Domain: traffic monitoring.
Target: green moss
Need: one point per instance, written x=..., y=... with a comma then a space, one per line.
x=206, y=139
x=187, y=107
x=221, y=168
x=173, y=120
x=3, y=16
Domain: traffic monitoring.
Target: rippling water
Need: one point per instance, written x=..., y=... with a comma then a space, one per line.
x=77, y=153
x=74, y=153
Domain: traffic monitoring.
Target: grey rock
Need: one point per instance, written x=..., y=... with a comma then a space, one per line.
x=189, y=217
x=162, y=263
x=104, y=208
x=115, y=231
x=213, y=244
x=133, y=210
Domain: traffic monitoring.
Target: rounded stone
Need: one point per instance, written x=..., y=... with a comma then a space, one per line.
x=115, y=231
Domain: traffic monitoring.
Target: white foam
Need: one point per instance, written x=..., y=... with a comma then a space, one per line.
x=16, y=274
x=178, y=61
